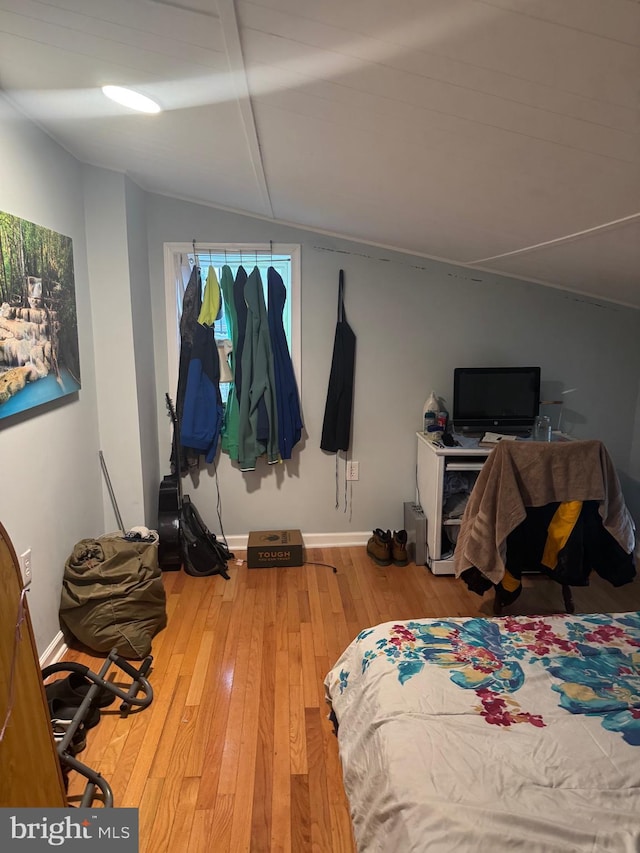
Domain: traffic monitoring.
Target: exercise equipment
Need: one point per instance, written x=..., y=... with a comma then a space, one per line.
x=99, y=685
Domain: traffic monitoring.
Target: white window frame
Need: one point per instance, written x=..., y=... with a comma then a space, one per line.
x=173, y=252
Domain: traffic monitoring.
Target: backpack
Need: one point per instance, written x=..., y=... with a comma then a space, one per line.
x=202, y=554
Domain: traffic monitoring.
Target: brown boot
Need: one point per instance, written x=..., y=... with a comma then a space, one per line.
x=399, y=548
x=379, y=547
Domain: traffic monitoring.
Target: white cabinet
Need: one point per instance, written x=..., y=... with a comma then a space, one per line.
x=432, y=467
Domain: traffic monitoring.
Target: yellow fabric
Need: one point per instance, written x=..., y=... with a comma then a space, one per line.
x=559, y=530
x=508, y=582
x=210, y=300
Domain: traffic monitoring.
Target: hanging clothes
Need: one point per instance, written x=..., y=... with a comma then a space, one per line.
x=286, y=389
x=191, y=304
x=241, y=316
x=258, y=383
x=336, y=427
x=202, y=416
x=232, y=410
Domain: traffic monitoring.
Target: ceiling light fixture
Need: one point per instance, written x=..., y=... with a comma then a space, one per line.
x=131, y=99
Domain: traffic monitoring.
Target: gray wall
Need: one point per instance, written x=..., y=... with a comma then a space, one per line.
x=415, y=320
x=119, y=294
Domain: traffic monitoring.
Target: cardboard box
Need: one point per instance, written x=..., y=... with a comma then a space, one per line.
x=269, y=548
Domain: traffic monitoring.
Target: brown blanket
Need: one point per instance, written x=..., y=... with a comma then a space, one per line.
x=520, y=474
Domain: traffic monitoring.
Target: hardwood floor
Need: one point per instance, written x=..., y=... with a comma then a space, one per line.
x=236, y=751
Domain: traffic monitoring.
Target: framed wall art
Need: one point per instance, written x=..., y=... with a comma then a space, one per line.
x=39, y=355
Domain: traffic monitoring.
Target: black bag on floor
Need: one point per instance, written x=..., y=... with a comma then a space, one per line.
x=202, y=554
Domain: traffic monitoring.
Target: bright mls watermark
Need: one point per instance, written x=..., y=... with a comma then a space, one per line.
x=33, y=830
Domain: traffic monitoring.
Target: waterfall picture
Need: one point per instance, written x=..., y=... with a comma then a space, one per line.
x=39, y=356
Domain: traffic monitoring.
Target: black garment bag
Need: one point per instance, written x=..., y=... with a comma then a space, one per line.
x=336, y=428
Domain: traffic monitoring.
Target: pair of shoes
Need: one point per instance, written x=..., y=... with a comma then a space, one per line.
x=384, y=549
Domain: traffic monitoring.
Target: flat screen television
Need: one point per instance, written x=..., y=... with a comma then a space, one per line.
x=497, y=399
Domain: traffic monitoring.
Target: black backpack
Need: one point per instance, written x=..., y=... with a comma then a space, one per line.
x=199, y=551
x=202, y=554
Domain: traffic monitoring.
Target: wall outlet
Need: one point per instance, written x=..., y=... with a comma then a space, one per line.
x=353, y=470
x=25, y=567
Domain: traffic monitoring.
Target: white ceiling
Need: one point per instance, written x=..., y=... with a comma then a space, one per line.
x=500, y=134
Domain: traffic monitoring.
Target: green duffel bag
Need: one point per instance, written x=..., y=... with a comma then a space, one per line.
x=112, y=595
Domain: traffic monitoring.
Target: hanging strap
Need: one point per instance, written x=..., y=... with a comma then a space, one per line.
x=341, y=315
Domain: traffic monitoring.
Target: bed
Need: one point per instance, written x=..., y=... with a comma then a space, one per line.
x=501, y=734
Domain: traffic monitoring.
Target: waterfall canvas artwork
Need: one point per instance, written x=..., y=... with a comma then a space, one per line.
x=39, y=356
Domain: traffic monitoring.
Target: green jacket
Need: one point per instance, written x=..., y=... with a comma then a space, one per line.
x=258, y=383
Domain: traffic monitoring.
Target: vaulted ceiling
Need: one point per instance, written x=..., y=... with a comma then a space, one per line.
x=499, y=134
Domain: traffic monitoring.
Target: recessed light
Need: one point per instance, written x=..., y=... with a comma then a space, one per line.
x=131, y=99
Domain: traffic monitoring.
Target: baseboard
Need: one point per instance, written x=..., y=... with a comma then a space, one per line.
x=336, y=540
x=312, y=540
x=54, y=651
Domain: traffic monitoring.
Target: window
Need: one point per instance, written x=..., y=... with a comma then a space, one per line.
x=179, y=261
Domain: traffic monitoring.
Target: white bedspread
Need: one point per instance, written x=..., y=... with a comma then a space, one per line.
x=505, y=734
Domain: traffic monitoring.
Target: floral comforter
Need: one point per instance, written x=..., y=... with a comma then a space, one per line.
x=504, y=734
